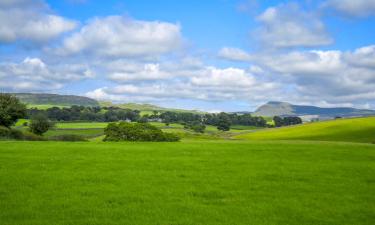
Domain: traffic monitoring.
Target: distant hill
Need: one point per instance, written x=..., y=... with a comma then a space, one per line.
x=55, y=99
x=147, y=107
x=346, y=130
x=287, y=109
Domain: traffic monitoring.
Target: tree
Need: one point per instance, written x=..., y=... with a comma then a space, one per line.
x=278, y=121
x=40, y=124
x=11, y=109
x=224, y=122
x=195, y=126
x=125, y=131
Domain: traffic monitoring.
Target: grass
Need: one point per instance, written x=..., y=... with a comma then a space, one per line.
x=88, y=133
x=81, y=125
x=222, y=182
x=348, y=130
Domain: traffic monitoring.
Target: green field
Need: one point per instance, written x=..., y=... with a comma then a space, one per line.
x=94, y=129
x=347, y=130
x=222, y=182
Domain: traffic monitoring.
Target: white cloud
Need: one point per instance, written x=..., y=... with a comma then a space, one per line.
x=140, y=72
x=117, y=36
x=232, y=77
x=352, y=8
x=288, y=26
x=32, y=74
x=234, y=54
x=30, y=21
x=331, y=76
x=208, y=84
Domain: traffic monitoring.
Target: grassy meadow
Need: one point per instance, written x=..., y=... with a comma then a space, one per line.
x=290, y=175
x=206, y=182
x=346, y=130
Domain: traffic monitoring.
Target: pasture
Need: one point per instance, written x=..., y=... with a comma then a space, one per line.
x=346, y=130
x=203, y=182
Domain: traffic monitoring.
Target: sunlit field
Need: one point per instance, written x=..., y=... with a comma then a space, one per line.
x=221, y=182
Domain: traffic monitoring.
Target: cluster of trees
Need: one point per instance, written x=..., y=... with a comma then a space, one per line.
x=195, y=122
x=125, y=131
x=81, y=113
x=286, y=121
x=222, y=121
x=195, y=126
x=11, y=109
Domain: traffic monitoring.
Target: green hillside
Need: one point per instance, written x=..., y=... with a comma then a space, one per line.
x=50, y=100
x=147, y=108
x=348, y=130
x=211, y=183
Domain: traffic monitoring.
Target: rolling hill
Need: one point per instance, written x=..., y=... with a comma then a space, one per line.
x=44, y=101
x=287, y=109
x=55, y=99
x=148, y=108
x=347, y=130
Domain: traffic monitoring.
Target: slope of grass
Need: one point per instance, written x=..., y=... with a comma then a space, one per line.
x=88, y=133
x=349, y=130
x=81, y=125
x=227, y=182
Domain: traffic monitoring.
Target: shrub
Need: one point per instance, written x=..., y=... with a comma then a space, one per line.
x=28, y=136
x=13, y=134
x=16, y=134
x=196, y=127
x=68, y=137
x=170, y=137
x=40, y=124
x=125, y=131
x=4, y=133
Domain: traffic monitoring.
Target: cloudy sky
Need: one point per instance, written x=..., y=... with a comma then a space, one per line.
x=212, y=55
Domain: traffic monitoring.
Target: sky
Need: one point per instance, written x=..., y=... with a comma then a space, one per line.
x=211, y=55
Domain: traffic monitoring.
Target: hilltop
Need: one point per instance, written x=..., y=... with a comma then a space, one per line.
x=55, y=99
x=286, y=109
x=148, y=108
x=43, y=101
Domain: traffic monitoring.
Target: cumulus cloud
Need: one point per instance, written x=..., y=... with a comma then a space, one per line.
x=32, y=74
x=352, y=8
x=30, y=21
x=140, y=72
x=234, y=54
x=207, y=84
x=333, y=76
x=288, y=26
x=118, y=36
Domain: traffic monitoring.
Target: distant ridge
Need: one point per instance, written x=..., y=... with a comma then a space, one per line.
x=43, y=101
x=55, y=99
x=286, y=109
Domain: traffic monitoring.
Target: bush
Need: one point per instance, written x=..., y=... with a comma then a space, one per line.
x=196, y=127
x=13, y=134
x=124, y=131
x=4, y=133
x=40, y=124
x=28, y=136
x=16, y=134
x=170, y=137
x=68, y=137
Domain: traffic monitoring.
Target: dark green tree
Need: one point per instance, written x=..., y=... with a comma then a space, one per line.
x=224, y=122
x=11, y=109
x=40, y=124
x=278, y=121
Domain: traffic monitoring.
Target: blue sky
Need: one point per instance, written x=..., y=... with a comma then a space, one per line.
x=213, y=55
